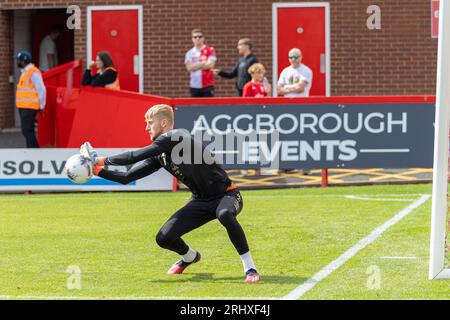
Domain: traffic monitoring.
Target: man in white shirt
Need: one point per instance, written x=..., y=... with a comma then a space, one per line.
x=199, y=63
x=295, y=80
x=48, y=54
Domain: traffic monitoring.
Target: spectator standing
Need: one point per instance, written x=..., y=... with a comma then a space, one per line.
x=48, y=53
x=106, y=76
x=295, y=80
x=30, y=96
x=240, y=71
x=257, y=86
x=199, y=62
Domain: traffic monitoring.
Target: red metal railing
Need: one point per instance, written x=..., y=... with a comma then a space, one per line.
x=66, y=75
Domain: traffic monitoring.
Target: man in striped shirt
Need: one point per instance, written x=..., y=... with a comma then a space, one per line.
x=199, y=62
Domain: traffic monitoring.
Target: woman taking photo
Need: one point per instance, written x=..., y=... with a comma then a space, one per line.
x=106, y=76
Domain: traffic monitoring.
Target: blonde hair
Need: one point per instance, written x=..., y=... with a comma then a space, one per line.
x=247, y=42
x=257, y=67
x=163, y=111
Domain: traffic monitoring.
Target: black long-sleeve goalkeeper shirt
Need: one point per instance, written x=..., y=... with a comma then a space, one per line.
x=203, y=176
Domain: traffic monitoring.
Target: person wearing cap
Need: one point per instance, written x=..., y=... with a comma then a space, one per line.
x=240, y=71
x=30, y=96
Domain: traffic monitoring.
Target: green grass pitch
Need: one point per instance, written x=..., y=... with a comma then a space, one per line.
x=293, y=234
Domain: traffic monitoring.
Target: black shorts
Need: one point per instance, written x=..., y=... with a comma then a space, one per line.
x=197, y=212
x=202, y=92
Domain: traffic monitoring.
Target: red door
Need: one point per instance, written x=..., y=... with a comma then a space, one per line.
x=303, y=26
x=116, y=30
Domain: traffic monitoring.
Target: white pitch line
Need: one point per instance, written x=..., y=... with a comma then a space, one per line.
x=350, y=253
x=41, y=297
x=399, y=258
x=379, y=199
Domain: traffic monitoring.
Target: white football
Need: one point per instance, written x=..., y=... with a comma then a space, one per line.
x=78, y=169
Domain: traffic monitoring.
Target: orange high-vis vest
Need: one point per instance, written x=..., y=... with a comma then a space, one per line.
x=26, y=95
x=113, y=85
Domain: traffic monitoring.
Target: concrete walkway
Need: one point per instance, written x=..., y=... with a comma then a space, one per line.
x=11, y=138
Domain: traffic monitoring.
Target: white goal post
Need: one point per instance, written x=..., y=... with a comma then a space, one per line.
x=439, y=267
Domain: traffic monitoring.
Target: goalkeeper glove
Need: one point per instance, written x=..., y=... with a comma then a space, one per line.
x=88, y=152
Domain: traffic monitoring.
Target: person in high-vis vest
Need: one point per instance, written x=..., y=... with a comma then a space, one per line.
x=30, y=97
x=106, y=75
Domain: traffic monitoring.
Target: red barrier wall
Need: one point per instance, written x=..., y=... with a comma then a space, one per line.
x=46, y=121
x=56, y=121
x=66, y=108
x=66, y=75
x=111, y=119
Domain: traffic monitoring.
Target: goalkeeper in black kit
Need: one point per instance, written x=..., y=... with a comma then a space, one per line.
x=214, y=196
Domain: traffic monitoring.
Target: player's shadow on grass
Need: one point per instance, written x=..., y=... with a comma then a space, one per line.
x=209, y=277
